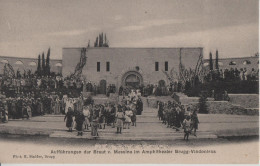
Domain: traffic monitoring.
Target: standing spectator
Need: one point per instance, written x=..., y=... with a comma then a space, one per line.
x=160, y=110
x=236, y=74
x=253, y=74
x=95, y=89
x=178, y=118
x=245, y=74
x=139, y=106
x=241, y=74
x=57, y=104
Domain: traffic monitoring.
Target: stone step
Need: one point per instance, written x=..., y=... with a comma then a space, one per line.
x=149, y=114
x=138, y=120
x=150, y=111
x=133, y=132
x=148, y=134
x=132, y=136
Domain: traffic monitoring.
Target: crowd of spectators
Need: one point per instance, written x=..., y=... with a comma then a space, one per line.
x=242, y=74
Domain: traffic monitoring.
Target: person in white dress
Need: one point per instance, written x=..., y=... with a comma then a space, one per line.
x=86, y=113
x=128, y=115
x=187, y=127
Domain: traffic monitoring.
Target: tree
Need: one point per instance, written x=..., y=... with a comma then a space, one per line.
x=79, y=67
x=48, y=68
x=96, y=43
x=217, y=67
x=105, y=42
x=101, y=41
x=43, y=65
x=24, y=74
x=8, y=71
x=210, y=61
x=184, y=75
x=39, y=65
x=18, y=75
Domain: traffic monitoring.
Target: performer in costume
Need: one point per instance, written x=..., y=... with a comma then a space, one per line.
x=187, y=127
x=128, y=115
x=195, y=122
x=86, y=113
x=69, y=116
x=94, y=126
x=119, y=119
x=80, y=118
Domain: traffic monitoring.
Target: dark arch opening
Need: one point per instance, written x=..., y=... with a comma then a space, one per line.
x=132, y=79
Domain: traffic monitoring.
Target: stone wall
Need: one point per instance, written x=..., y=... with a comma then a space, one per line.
x=184, y=99
x=225, y=107
x=152, y=100
x=215, y=107
x=28, y=64
x=240, y=63
x=113, y=98
x=245, y=100
x=239, y=104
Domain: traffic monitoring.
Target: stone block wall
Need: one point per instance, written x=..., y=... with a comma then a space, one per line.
x=225, y=107
x=152, y=100
x=113, y=98
x=184, y=99
x=215, y=107
x=245, y=100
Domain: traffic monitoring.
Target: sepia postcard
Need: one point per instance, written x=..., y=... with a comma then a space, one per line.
x=129, y=82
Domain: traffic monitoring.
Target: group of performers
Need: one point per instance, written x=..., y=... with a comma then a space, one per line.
x=98, y=116
x=174, y=116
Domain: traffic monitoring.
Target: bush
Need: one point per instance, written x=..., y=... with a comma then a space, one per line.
x=220, y=86
x=203, y=103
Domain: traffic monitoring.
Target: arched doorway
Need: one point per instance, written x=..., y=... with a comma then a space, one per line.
x=103, y=86
x=133, y=79
x=161, y=83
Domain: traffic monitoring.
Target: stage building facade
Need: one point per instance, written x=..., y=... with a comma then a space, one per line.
x=129, y=66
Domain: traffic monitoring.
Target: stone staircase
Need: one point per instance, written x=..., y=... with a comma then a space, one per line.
x=148, y=128
x=144, y=100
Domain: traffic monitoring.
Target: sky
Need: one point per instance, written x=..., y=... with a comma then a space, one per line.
x=30, y=27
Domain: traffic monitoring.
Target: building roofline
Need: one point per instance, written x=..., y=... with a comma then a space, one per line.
x=234, y=58
x=133, y=47
x=27, y=58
